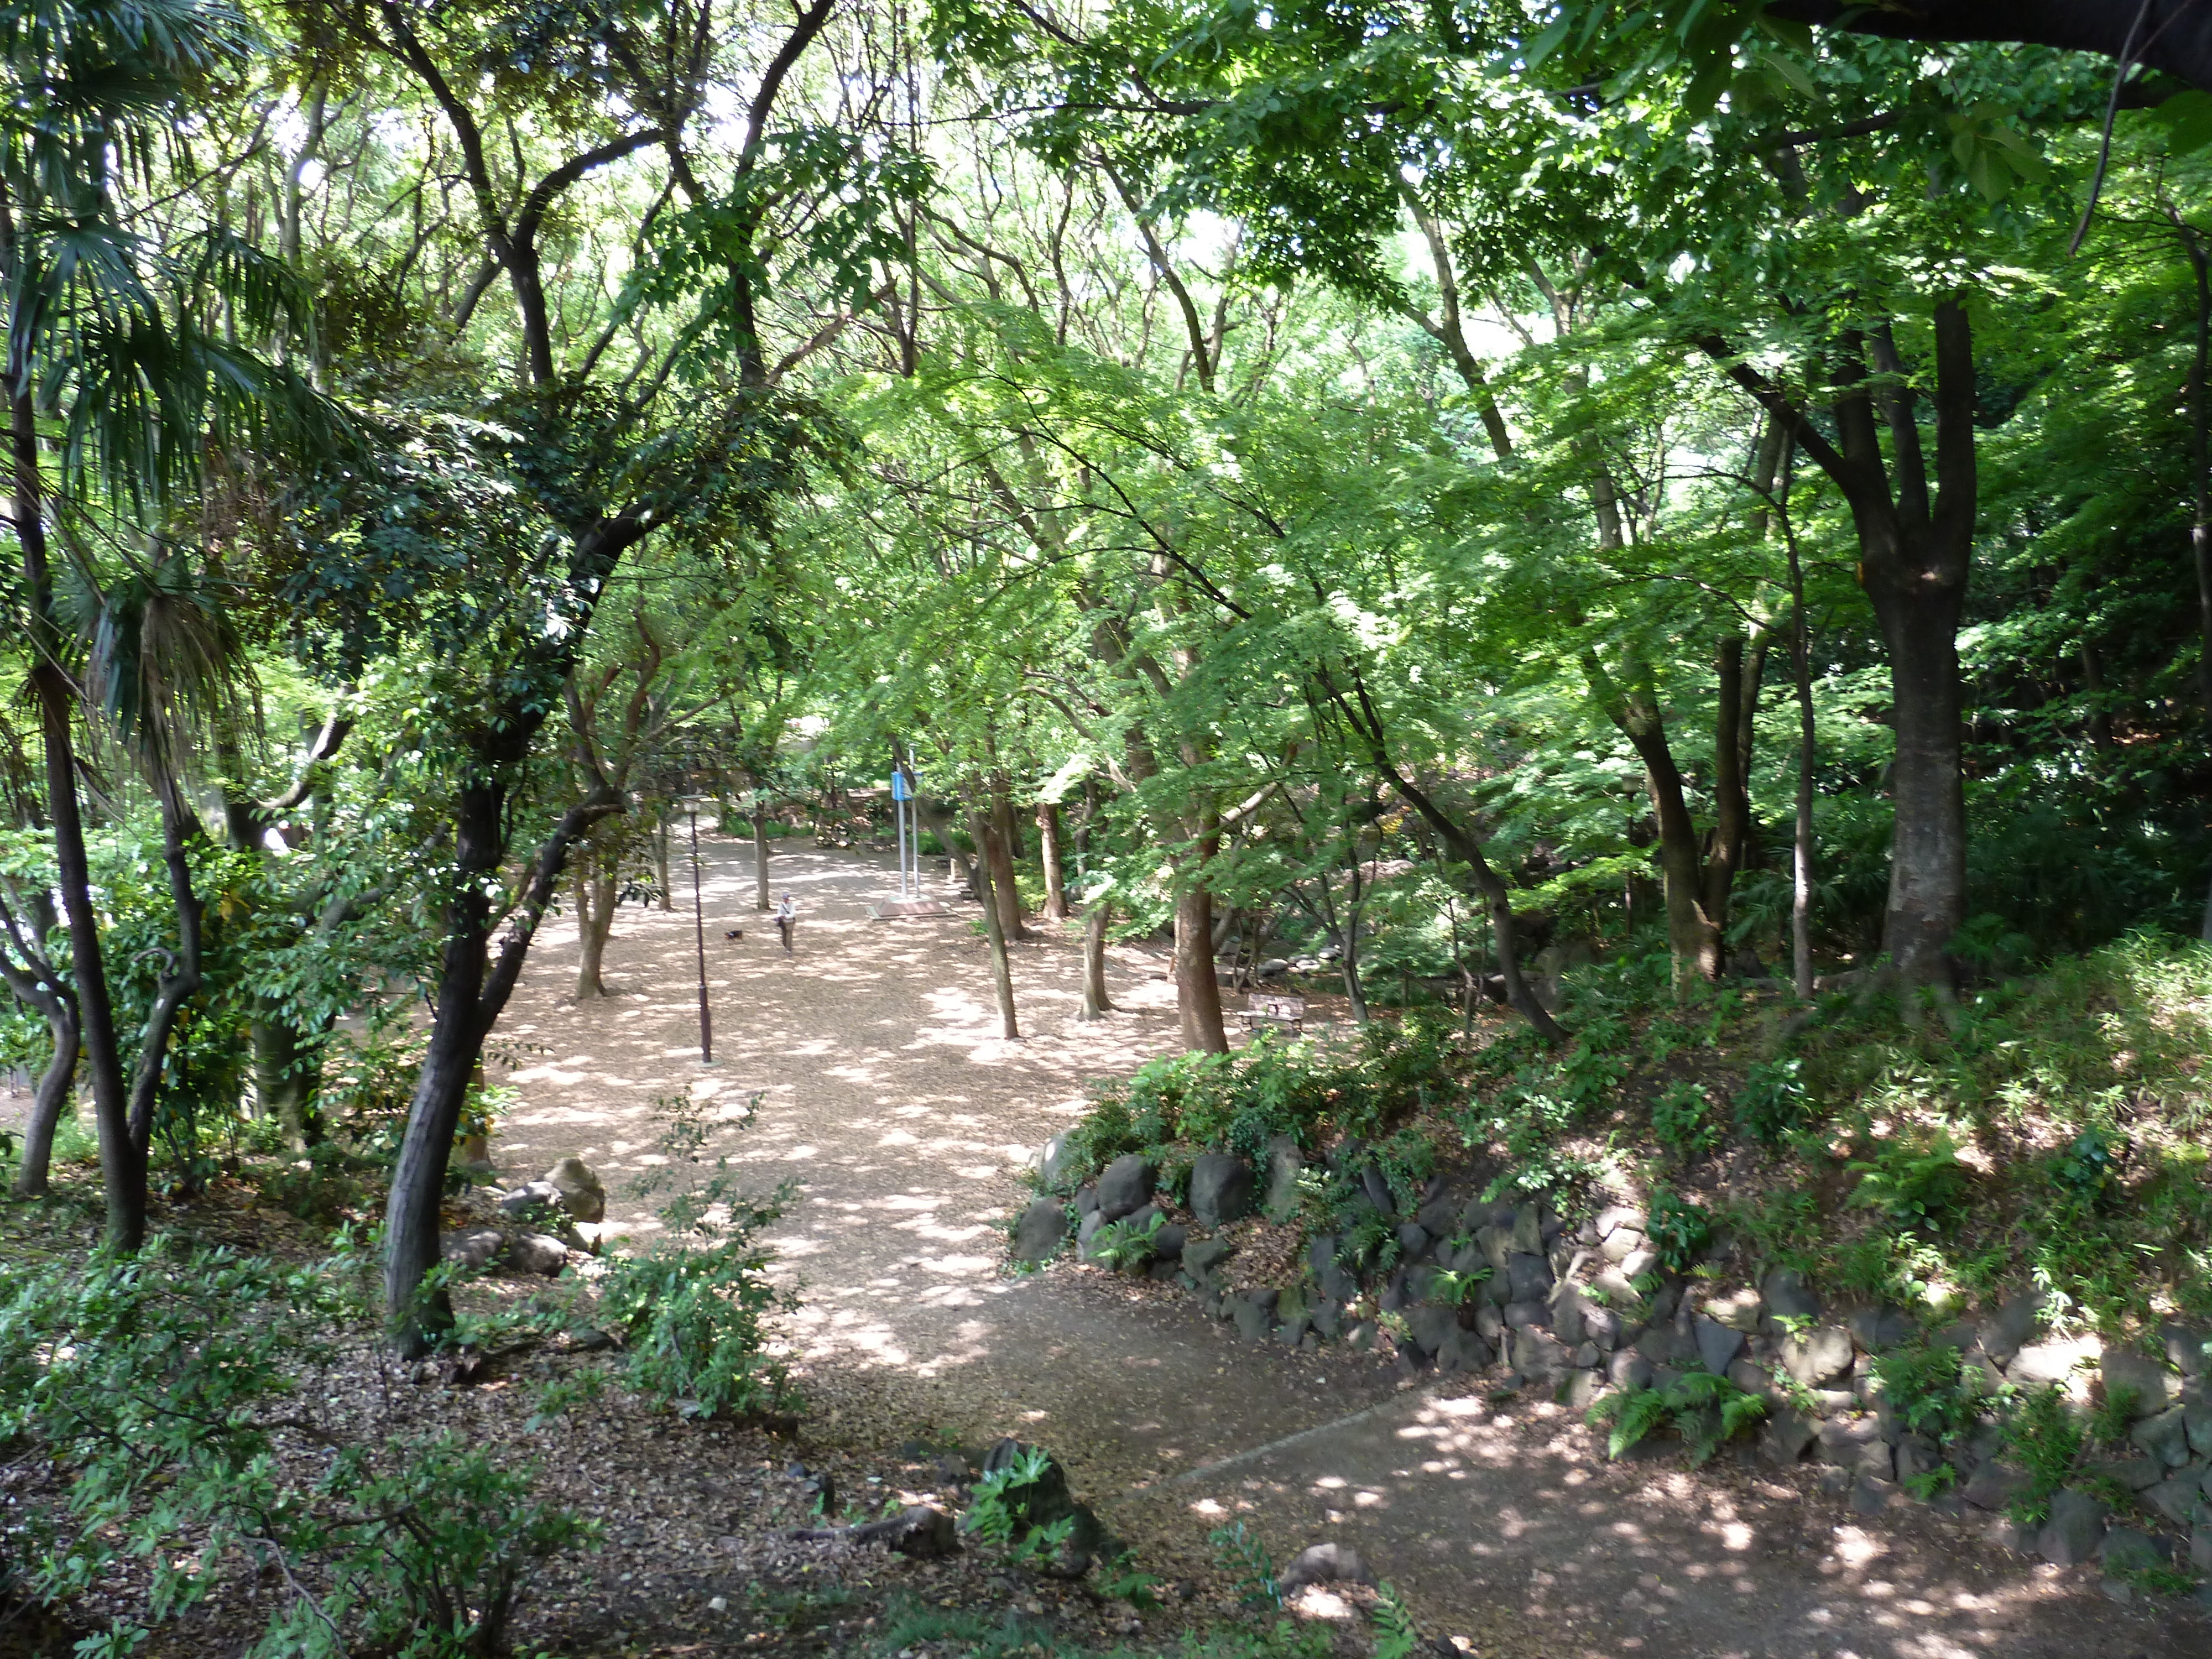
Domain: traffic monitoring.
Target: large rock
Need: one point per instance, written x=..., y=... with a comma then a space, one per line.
x=1200, y=1259
x=1431, y=1328
x=1055, y=1161
x=476, y=1249
x=1221, y=1189
x=1284, y=1164
x=1786, y=1434
x=531, y=1195
x=1463, y=1351
x=581, y=1195
x=2150, y=1388
x=1877, y=1328
x=1086, y=1235
x=1993, y=1485
x=1040, y=1231
x=1819, y=1357
x=2005, y=1332
x=1538, y=1354
x=2128, y=1550
x=1529, y=1278
x=1126, y=1186
x=537, y=1252
x=1323, y=1564
x=1717, y=1345
x=2188, y=1348
x=2075, y=1529
x=1787, y=1296
x=2164, y=1438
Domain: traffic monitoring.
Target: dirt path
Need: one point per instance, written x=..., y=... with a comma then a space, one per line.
x=887, y=1095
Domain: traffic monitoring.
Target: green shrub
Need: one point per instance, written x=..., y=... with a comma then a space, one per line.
x=1771, y=1102
x=1918, y=1183
x=2044, y=1435
x=694, y=1307
x=1679, y=1118
x=1121, y=1245
x=1926, y=1387
x=163, y=1384
x=1680, y=1229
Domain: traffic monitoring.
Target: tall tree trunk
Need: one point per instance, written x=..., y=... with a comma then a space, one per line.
x=660, y=862
x=1096, y=1003
x=284, y=1079
x=1928, y=855
x=1801, y=861
x=2200, y=479
x=122, y=1167
x=47, y=1103
x=595, y=919
x=761, y=900
x=999, y=845
x=1693, y=940
x=1731, y=794
x=1002, y=971
x=1198, y=992
x=1055, y=882
x=2101, y=712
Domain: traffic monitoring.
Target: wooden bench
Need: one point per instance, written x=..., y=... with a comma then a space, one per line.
x=1287, y=1012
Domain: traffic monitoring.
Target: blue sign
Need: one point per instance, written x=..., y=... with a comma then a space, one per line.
x=900, y=789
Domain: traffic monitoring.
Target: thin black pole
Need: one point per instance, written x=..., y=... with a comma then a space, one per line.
x=699, y=929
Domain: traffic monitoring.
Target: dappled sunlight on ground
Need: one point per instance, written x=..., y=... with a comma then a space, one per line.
x=867, y=1069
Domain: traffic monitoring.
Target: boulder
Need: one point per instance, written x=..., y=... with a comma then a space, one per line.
x=1520, y=1315
x=581, y=1195
x=2196, y=1424
x=1527, y=1236
x=1787, y=1297
x=476, y=1249
x=1086, y=1198
x=2200, y=1548
x=1200, y=1259
x=1602, y=1327
x=2164, y=1438
x=1856, y=1443
x=1571, y=1315
x=1877, y=1328
x=1413, y=1240
x=1284, y=1164
x=1994, y=1485
x=1323, y=1564
x=1538, y=1353
x=1717, y=1344
x=2188, y=1348
x=1040, y=1231
x=1372, y=1183
x=1125, y=1186
x=1819, y=1357
x=1221, y=1189
x=1255, y=1323
x=1055, y=1161
x=1439, y=1215
x=1086, y=1235
x=2005, y=1332
x=1612, y=1219
x=1784, y=1437
x=920, y=1531
x=1739, y=1312
x=1529, y=1278
x=1628, y=1370
x=531, y=1195
x=1167, y=1244
x=2150, y=1387
x=2075, y=1529
x=536, y=1252
x=1338, y=1284
x=1464, y=1351
x=1617, y=1247
x=1431, y=1328
x=2127, y=1550
x=2181, y=1499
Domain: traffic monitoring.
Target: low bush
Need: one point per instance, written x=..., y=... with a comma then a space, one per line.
x=176, y=1393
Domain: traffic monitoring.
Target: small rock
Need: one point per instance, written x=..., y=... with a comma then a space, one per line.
x=1538, y=1353
x=2200, y=1548
x=2180, y=1499
x=581, y=1195
x=1055, y=1161
x=1520, y=1315
x=1413, y=1239
x=1877, y=1328
x=2196, y=1423
x=1254, y=1322
x=2075, y=1529
x=1993, y=1485
x=1526, y=1237
x=1200, y=1260
x=1125, y=1186
x=1870, y=1494
x=1323, y=1564
x=1040, y=1231
x=1739, y=1312
x=1612, y=1220
x=1528, y=1277
x=1618, y=1246
x=1629, y=1370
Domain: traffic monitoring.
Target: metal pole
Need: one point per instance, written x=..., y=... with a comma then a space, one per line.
x=898, y=810
x=699, y=929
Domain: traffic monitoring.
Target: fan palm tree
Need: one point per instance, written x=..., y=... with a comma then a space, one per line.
x=116, y=391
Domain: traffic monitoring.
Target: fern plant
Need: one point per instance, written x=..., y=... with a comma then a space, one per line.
x=1255, y=1569
x=1396, y=1635
x=1454, y=1288
x=1706, y=1410
x=1119, y=1245
x=1915, y=1184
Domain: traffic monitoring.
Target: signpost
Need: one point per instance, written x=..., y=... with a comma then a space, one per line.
x=909, y=830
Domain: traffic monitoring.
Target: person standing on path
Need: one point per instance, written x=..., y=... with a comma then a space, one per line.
x=786, y=919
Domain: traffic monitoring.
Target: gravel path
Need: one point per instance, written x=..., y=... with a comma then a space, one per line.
x=887, y=1096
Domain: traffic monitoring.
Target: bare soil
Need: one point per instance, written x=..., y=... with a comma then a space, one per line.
x=885, y=1093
